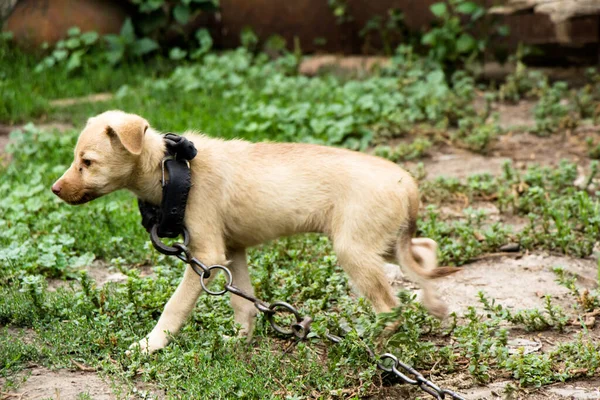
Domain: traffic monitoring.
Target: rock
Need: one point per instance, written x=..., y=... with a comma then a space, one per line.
x=516, y=346
x=34, y=22
x=511, y=247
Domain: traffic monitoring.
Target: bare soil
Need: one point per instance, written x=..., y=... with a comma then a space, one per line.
x=42, y=383
x=101, y=273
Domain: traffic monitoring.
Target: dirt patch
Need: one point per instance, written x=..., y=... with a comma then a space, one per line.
x=42, y=383
x=26, y=335
x=341, y=65
x=575, y=390
x=515, y=116
x=527, y=148
x=92, y=98
x=459, y=163
x=101, y=273
x=516, y=283
x=522, y=149
x=3, y=143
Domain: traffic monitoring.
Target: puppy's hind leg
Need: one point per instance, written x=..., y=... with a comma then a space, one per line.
x=243, y=310
x=364, y=266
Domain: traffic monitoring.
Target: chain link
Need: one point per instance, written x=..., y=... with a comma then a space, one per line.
x=301, y=327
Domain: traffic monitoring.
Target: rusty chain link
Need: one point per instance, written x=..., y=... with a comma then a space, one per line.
x=301, y=327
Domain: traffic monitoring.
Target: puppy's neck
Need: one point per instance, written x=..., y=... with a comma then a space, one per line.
x=145, y=180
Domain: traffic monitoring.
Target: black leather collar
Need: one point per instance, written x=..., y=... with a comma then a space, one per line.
x=169, y=217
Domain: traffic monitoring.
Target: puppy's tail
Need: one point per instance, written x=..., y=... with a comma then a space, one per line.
x=419, y=255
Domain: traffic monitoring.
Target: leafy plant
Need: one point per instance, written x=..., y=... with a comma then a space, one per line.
x=550, y=111
x=452, y=43
x=389, y=30
x=593, y=149
x=339, y=8
x=404, y=151
x=70, y=52
x=127, y=44
x=523, y=82
x=205, y=43
x=156, y=17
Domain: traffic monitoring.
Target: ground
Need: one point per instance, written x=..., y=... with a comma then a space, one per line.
x=521, y=277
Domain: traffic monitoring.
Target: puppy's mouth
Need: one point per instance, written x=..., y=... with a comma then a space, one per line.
x=86, y=197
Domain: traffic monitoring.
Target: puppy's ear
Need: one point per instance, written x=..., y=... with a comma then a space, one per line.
x=130, y=133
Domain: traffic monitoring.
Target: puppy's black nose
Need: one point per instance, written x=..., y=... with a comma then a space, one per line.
x=56, y=188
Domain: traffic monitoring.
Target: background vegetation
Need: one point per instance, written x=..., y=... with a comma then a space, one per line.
x=429, y=97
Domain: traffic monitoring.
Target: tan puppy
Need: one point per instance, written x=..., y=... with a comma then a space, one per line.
x=244, y=194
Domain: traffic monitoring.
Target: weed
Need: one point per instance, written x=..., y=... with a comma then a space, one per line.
x=550, y=111
x=404, y=151
x=451, y=40
x=593, y=149
x=476, y=135
x=523, y=82
x=70, y=51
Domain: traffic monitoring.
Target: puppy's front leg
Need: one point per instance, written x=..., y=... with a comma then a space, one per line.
x=244, y=312
x=178, y=308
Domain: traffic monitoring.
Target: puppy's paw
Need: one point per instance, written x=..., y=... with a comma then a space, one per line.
x=148, y=345
x=437, y=309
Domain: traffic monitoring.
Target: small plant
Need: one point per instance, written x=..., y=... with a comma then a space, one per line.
x=127, y=45
x=204, y=41
x=389, y=30
x=404, y=151
x=71, y=51
x=476, y=134
x=452, y=43
x=523, y=82
x=550, y=112
x=339, y=8
x=593, y=148
x=156, y=17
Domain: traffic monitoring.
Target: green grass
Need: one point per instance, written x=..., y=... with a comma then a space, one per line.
x=239, y=94
x=25, y=94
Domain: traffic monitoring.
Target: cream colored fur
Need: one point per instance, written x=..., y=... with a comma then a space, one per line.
x=244, y=194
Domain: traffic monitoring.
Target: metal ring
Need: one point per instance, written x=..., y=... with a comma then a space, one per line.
x=384, y=357
x=302, y=328
x=227, y=273
x=402, y=376
x=163, y=248
x=288, y=307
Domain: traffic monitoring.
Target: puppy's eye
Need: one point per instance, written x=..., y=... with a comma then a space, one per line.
x=87, y=162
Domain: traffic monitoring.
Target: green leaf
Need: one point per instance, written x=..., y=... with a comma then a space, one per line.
x=113, y=41
x=466, y=43
x=439, y=9
x=177, y=54
x=182, y=14
x=74, y=31
x=127, y=31
x=467, y=7
x=429, y=38
x=60, y=54
x=89, y=38
x=144, y=46
x=114, y=56
x=73, y=43
x=503, y=30
x=74, y=60
x=204, y=40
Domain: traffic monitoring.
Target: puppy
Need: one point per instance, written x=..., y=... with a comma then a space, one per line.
x=244, y=194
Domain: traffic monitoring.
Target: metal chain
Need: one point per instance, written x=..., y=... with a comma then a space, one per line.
x=300, y=328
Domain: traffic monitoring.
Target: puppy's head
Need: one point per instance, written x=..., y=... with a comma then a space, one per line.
x=106, y=154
